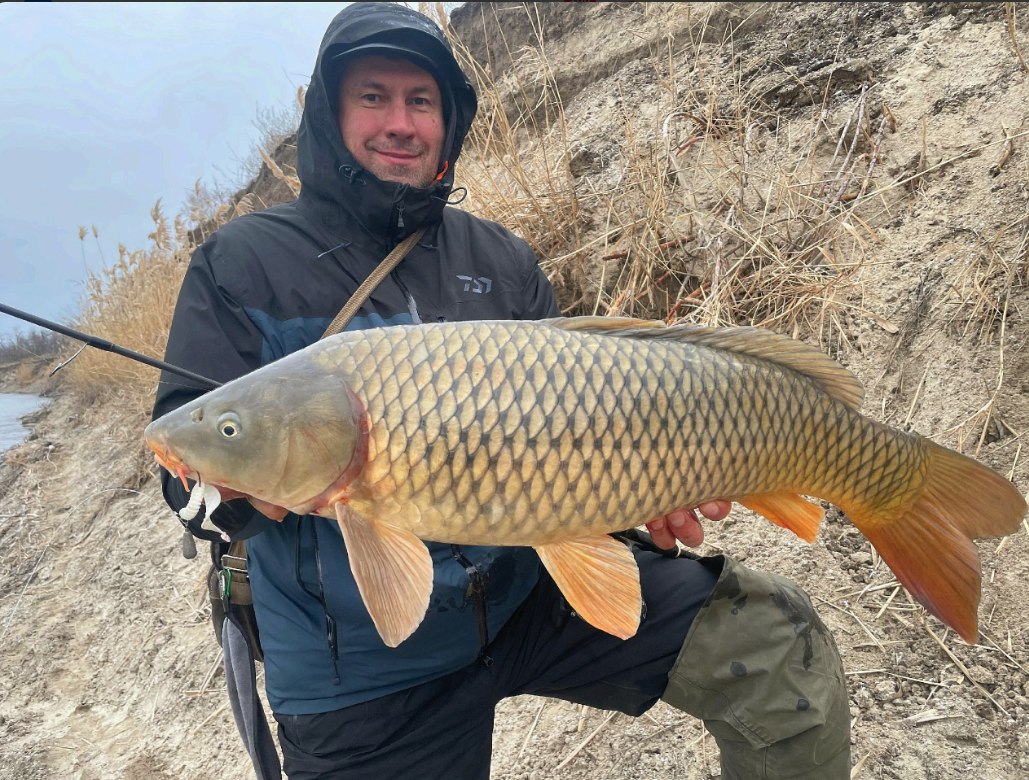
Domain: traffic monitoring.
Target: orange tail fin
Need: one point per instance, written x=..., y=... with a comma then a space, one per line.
x=928, y=544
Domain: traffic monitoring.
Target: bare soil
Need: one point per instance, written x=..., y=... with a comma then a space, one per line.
x=108, y=665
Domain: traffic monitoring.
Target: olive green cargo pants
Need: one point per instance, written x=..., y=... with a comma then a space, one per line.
x=762, y=671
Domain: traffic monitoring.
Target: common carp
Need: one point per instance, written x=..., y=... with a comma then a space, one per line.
x=552, y=434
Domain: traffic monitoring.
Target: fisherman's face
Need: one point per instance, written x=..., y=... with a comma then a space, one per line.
x=391, y=119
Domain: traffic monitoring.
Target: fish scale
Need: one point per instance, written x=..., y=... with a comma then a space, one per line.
x=637, y=470
x=554, y=434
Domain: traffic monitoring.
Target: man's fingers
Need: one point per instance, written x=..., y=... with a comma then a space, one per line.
x=715, y=510
x=686, y=527
x=659, y=532
x=681, y=525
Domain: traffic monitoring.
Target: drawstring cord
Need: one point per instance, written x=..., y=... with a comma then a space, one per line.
x=477, y=594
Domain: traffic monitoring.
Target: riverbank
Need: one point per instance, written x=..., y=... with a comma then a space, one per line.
x=898, y=125
x=27, y=376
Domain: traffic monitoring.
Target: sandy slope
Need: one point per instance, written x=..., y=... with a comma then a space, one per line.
x=108, y=668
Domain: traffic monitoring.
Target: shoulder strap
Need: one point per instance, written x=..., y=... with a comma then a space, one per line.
x=368, y=285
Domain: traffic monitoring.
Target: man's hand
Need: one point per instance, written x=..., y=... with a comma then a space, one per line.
x=271, y=511
x=682, y=524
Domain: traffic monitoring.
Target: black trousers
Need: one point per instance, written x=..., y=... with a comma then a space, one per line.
x=444, y=728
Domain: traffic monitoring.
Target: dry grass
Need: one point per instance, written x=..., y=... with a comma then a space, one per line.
x=715, y=206
x=714, y=215
x=1010, y=19
x=521, y=165
x=980, y=292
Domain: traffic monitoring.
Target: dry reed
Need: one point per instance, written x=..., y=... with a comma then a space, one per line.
x=715, y=205
x=711, y=221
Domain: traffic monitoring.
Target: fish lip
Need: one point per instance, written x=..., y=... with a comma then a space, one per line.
x=174, y=464
x=166, y=457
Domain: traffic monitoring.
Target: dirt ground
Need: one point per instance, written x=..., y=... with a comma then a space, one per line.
x=108, y=665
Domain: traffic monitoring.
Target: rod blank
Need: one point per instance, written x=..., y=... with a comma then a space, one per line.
x=107, y=346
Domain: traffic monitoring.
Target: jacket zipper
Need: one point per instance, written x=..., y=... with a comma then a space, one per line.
x=396, y=218
x=331, y=633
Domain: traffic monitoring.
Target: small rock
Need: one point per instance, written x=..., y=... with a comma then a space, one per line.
x=983, y=676
x=861, y=558
x=985, y=711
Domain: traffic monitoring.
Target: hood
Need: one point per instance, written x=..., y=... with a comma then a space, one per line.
x=332, y=183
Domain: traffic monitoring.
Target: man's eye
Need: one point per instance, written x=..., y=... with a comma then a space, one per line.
x=370, y=98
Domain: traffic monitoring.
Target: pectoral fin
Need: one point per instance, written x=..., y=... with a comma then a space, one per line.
x=393, y=570
x=599, y=577
x=789, y=510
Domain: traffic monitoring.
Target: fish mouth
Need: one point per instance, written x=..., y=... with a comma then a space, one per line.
x=173, y=463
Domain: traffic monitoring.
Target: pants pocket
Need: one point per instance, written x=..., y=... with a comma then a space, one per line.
x=759, y=665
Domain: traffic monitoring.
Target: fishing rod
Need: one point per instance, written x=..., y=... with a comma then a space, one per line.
x=107, y=346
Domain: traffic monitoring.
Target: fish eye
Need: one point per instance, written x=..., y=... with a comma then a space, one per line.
x=229, y=425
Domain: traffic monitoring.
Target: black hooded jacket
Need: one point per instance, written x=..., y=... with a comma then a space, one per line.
x=269, y=283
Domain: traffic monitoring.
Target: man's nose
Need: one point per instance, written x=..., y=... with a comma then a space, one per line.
x=399, y=121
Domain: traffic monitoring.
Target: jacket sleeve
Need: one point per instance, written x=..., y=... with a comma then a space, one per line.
x=210, y=335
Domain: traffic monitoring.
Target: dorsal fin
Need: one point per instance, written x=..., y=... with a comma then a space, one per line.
x=759, y=343
x=595, y=324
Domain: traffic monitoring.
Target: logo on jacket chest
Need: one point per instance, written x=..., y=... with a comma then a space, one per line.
x=479, y=284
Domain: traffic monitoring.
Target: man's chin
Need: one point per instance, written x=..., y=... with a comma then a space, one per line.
x=400, y=174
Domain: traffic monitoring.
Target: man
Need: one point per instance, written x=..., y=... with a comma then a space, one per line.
x=386, y=113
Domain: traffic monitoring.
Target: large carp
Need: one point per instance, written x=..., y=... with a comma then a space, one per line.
x=552, y=434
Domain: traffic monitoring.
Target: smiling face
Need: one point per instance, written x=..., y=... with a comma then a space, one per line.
x=391, y=119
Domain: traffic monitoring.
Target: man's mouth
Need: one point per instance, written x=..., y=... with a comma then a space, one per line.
x=397, y=156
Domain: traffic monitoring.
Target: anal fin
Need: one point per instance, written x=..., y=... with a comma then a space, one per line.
x=788, y=510
x=393, y=570
x=599, y=577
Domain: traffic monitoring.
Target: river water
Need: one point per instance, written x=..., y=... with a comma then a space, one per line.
x=14, y=406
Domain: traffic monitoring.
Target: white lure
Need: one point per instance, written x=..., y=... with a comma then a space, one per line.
x=201, y=495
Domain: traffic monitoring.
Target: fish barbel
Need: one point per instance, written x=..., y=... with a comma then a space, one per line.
x=552, y=434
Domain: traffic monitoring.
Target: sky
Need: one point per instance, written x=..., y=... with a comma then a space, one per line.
x=106, y=107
